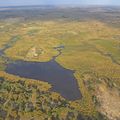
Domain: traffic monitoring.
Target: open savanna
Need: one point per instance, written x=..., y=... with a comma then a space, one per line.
x=91, y=49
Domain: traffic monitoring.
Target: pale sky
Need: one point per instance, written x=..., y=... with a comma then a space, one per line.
x=58, y=2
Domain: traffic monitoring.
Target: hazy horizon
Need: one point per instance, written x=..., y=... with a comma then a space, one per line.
x=62, y=2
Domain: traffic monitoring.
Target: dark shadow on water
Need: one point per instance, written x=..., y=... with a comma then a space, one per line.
x=61, y=79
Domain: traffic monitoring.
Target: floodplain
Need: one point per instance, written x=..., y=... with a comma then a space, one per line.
x=89, y=57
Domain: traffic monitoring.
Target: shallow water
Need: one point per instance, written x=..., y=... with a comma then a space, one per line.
x=61, y=79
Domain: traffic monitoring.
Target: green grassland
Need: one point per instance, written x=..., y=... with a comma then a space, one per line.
x=92, y=49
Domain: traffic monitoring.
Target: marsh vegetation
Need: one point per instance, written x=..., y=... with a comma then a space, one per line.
x=90, y=45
